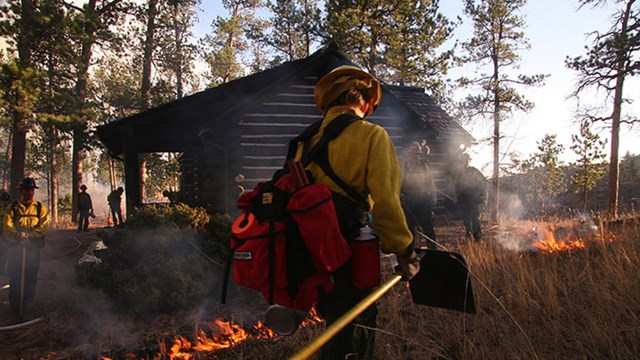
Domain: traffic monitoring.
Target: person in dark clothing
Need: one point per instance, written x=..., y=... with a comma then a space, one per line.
x=115, y=205
x=85, y=209
x=25, y=223
x=419, y=190
x=470, y=187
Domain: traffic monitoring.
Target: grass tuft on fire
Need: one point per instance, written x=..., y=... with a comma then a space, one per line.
x=164, y=261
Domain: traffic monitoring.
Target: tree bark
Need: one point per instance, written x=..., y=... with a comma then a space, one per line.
x=81, y=93
x=6, y=172
x=614, y=161
x=53, y=178
x=149, y=44
x=20, y=114
x=145, y=103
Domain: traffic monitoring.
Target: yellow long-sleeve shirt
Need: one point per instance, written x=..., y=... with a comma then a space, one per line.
x=363, y=156
x=24, y=218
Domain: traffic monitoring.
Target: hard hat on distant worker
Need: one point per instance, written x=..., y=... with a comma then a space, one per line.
x=414, y=148
x=342, y=79
x=28, y=182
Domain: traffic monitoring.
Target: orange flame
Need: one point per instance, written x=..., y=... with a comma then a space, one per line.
x=551, y=243
x=226, y=334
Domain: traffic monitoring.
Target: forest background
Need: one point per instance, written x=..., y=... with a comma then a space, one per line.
x=69, y=66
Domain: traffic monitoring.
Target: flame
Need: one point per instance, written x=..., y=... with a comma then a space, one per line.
x=312, y=318
x=225, y=334
x=551, y=243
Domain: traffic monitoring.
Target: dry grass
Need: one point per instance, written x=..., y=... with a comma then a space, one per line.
x=581, y=304
x=568, y=305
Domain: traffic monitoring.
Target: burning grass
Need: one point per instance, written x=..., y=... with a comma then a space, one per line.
x=536, y=303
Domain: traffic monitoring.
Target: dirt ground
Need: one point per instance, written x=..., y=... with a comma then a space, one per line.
x=76, y=323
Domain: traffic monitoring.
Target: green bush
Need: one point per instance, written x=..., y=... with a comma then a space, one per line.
x=166, y=259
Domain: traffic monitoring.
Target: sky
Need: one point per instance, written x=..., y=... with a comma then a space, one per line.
x=555, y=30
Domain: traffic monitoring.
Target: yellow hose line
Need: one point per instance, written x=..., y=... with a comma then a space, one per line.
x=344, y=320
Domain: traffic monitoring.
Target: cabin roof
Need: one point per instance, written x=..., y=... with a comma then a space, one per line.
x=173, y=127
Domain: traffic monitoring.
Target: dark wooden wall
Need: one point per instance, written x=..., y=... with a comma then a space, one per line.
x=255, y=141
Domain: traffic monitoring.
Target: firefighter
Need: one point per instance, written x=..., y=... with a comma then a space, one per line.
x=419, y=190
x=25, y=223
x=364, y=158
x=85, y=209
x=470, y=187
x=115, y=205
x=5, y=200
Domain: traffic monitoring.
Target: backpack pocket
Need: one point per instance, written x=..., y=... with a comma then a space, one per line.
x=314, y=212
x=251, y=257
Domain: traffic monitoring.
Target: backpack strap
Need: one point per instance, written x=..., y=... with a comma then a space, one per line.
x=320, y=155
x=15, y=207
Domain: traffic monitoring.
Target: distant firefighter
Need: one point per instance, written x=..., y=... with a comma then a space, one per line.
x=470, y=187
x=85, y=208
x=419, y=190
x=115, y=205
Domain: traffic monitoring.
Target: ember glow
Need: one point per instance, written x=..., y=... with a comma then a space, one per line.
x=225, y=334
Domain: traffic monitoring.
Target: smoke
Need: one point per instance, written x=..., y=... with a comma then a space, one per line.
x=511, y=206
x=99, y=193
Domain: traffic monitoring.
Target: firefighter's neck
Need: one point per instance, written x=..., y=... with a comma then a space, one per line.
x=346, y=109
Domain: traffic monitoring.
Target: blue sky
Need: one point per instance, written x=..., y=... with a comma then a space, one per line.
x=554, y=29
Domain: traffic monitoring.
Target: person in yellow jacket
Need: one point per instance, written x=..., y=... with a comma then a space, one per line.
x=25, y=223
x=364, y=158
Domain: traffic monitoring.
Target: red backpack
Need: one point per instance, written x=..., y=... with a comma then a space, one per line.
x=289, y=238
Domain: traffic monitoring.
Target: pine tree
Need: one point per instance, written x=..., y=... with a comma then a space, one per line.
x=176, y=51
x=291, y=31
x=18, y=23
x=53, y=56
x=397, y=41
x=224, y=48
x=610, y=60
x=546, y=176
x=588, y=147
x=92, y=25
x=497, y=39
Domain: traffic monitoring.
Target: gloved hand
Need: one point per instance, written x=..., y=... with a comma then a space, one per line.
x=408, y=263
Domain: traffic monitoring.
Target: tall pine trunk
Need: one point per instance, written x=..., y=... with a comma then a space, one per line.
x=145, y=102
x=614, y=161
x=494, y=202
x=53, y=176
x=52, y=142
x=81, y=93
x=21, y=114
x=7, y=170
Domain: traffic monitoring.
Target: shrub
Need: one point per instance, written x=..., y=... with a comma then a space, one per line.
x=164, y=261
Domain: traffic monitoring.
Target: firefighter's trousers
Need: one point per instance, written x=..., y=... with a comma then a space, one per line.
x=352, y=342
x=23, y=266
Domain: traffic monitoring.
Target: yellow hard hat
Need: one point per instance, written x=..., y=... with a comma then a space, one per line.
x=342, y=79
